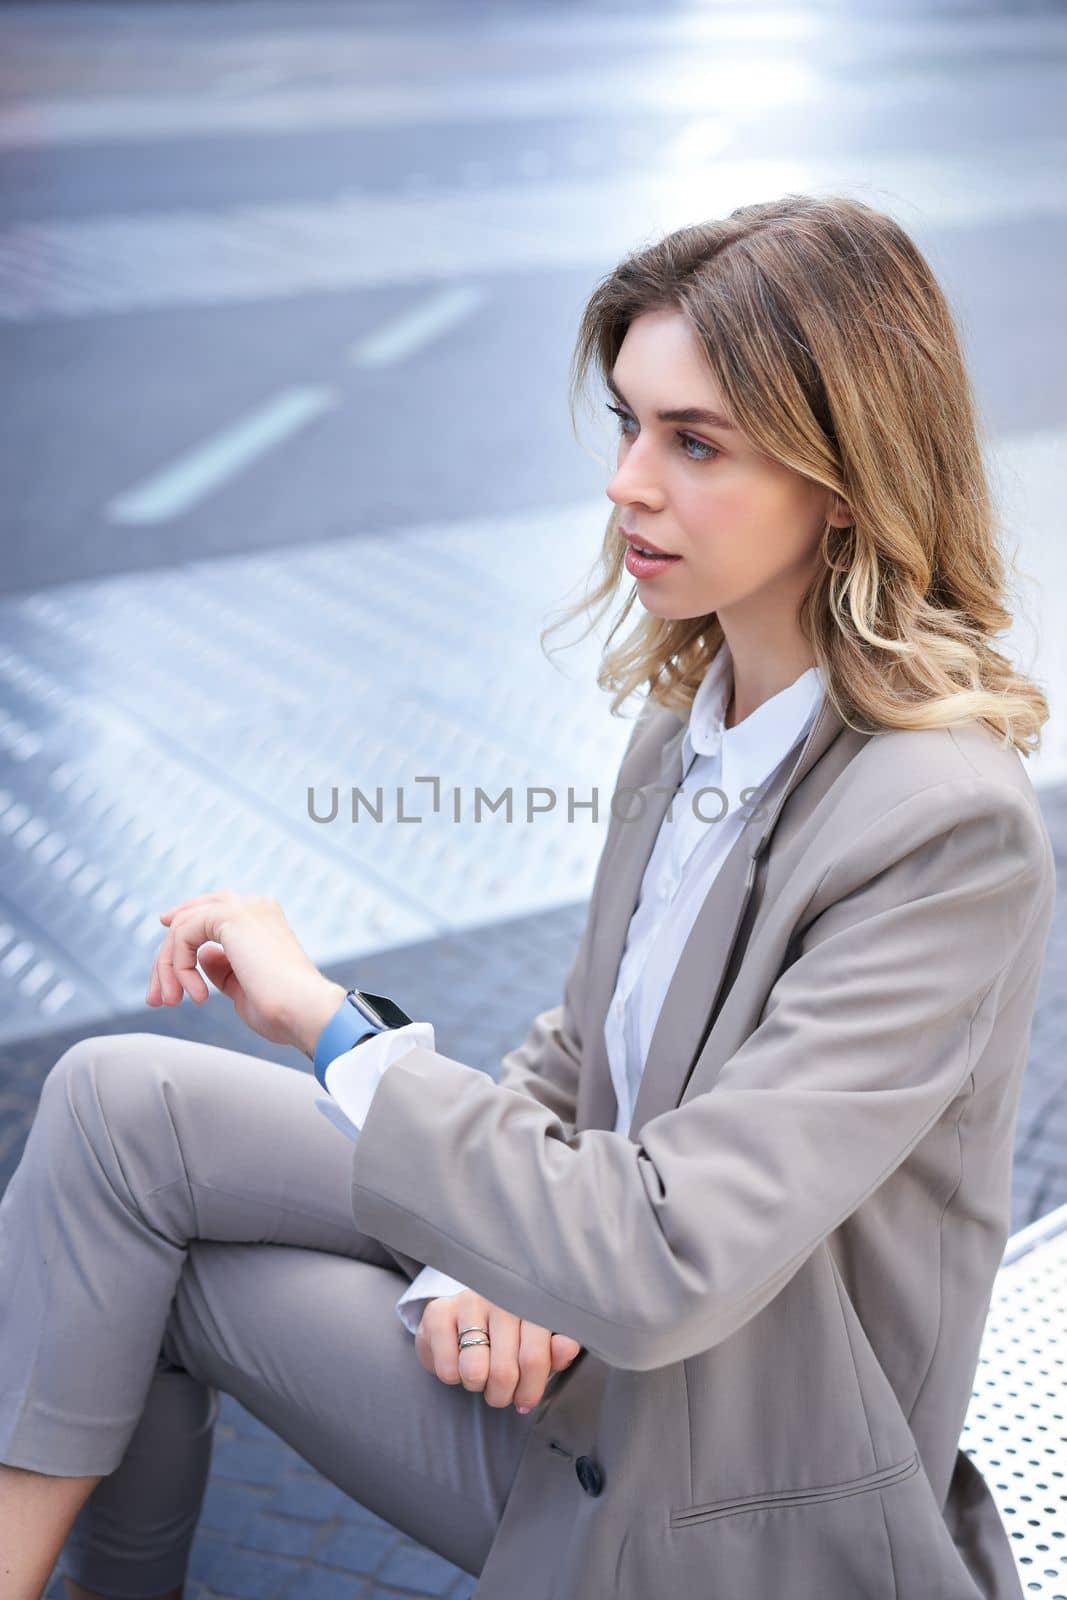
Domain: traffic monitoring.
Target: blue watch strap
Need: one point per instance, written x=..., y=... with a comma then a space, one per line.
x=345, y=1028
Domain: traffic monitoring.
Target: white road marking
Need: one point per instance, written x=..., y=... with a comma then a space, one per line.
x=188, y=480
x=116, y=263
x=416, y=327
x=659, y=87
x=1009, y=53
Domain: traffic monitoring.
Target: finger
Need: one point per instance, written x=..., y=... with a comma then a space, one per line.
x=451, y=1315
x=423, y=1343
x=535, y=1365
x=164, y=975
x=215, y=963
x=196, y=900
x=155, y=995
x=472, y=1362
x=170, y=965
x=504, y=1333
x=440, y=1322
x=188, y=932
x=171, y=989
x=564, y=1350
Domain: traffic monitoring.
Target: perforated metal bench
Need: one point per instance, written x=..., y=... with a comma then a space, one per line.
x=1016, y=1427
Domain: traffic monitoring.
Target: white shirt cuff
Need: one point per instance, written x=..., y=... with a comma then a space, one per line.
x=354, y=1075
x=429, y=1284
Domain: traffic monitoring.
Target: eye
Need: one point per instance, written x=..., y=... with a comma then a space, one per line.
x=623, y=416
x=701, y=444
x=684, y=439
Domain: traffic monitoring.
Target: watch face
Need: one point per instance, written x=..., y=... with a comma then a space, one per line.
x=379, y=1011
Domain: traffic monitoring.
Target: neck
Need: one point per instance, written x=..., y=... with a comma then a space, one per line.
x=762, y=673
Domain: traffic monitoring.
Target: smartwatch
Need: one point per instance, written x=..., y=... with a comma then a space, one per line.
x=357, y=1017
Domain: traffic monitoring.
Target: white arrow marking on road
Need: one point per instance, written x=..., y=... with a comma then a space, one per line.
x=180, y=486
x=416, y=327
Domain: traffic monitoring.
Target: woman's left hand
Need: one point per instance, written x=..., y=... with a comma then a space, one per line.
x=248, y=950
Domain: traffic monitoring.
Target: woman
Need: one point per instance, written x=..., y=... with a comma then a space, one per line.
x=730, y=1221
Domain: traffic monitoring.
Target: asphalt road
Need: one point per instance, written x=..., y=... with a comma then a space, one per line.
x=208, y=209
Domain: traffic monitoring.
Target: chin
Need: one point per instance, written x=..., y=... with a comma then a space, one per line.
x=673, y=611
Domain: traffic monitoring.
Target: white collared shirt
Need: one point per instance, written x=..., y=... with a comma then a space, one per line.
x=688, y=852
x=681, y=869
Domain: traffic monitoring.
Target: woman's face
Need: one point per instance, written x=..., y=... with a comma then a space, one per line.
x=745, y=530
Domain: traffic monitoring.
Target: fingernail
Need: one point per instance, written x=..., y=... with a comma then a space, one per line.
x=522, y=1410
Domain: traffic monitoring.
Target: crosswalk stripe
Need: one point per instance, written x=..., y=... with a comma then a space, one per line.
x=122, y=263
x=671, y=73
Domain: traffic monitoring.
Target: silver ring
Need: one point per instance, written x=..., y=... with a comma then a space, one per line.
x=481, y=1337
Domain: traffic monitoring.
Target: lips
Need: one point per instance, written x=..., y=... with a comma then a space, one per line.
x=644, y=544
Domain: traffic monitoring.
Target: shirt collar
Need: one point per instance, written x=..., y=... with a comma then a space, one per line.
x=751, y=750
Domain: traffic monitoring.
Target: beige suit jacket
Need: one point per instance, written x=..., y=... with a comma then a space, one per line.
x=780, y=1277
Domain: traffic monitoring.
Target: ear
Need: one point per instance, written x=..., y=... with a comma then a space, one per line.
x=839, y=514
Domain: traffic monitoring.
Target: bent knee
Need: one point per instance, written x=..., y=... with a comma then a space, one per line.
x=108, y=1073
x=104, y=1110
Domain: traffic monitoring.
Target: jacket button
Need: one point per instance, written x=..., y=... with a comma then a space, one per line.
x=590, y=1474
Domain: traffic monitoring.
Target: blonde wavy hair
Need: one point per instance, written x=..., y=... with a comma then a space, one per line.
x=836, y=352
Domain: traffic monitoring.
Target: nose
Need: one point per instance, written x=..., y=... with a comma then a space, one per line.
x=634, y=480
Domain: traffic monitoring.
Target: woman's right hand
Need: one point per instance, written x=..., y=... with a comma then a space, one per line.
x=513, y=1368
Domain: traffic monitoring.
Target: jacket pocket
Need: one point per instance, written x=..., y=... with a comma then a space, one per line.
x=686, y=1516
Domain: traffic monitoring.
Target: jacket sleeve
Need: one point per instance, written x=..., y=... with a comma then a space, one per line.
x=545, y=1066
x=650, y=1249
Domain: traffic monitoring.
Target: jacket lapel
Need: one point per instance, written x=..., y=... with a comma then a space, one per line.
x=626, y=856
x=692, y=999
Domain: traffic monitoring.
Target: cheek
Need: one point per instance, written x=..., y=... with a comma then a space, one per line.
x=758, y=519
x=725, y=515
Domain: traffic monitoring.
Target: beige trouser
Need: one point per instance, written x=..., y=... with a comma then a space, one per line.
x=180, y=1223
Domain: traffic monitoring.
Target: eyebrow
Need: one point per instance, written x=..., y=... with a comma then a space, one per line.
x=710, y=419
